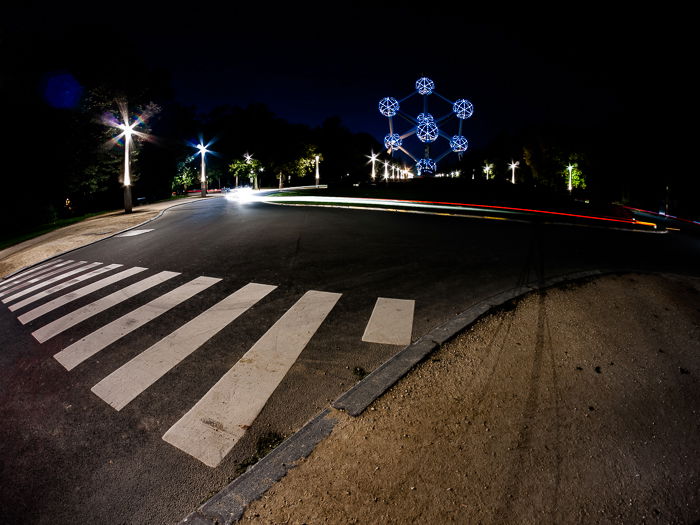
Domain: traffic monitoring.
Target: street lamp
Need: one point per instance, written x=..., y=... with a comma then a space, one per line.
x=386, y=171
x=127, y=130
x=512, y=166
x=373, y=159
x=570, y=168
x=203, y=151
x=488, y=168
x=317, y=175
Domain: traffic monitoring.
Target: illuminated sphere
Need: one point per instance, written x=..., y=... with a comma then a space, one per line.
x=424, y=117
x=463, y=108
x=425, y=86
x=392, y=141
x=388, y=106
x=427, y=131
x=426, y=166
x=459, y=143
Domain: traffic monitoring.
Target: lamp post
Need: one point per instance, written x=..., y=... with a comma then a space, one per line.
x=317, y=174
x=570, y=168
x=373, y=159
x=203, y=151
x=127, y=130
x=488, y=168
x=386, y=171
x=512, y=166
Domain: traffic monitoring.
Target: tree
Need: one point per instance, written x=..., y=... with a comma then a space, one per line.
x=185, y=176
x=247, y=167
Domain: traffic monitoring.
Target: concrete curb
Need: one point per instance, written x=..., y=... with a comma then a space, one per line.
x=98, y=240
x=228, y=506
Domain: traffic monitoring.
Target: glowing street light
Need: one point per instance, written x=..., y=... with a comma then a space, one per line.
x=386, y=170
x=488, y=169
x=127, y=130
x=373, y=158
x=317, y=175
x=512, y=166
x=570, y=168
x=203, y=151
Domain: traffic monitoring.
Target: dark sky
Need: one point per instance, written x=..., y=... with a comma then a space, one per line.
x=308, y=62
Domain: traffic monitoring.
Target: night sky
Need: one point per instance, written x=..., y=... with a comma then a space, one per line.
x=309, y=62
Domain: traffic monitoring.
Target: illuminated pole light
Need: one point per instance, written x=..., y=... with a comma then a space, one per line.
x=570, y=168
x=373, y=159
x=127, y=129
x=317, y=174
x=512, y=166
x=386, y=171
x=203, y=179
x=488, y=169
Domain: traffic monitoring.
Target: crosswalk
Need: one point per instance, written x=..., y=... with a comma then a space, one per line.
x=212, y=427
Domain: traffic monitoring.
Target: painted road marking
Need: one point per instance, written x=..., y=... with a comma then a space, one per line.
x=62, y=286
x=54, y=279
x=213, y=426
x=89, y=345
x=27, y=274
x=67, y=321
x=128, y=381
x=131, y=233
x=33, y=280
x=391, y=322
x=76, y=294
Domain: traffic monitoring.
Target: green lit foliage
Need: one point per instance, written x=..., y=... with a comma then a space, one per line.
x=184, y=177
x=247, y=167
x=578, y=179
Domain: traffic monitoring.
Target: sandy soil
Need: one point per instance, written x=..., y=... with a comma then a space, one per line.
x=578, y=405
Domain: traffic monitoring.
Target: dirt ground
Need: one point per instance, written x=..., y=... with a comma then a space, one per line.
x=578, y=405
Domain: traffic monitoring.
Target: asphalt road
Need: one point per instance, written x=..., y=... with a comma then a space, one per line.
x=67, y=456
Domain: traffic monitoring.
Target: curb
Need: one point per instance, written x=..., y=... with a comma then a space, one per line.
x=96, y=241
x=229, y=504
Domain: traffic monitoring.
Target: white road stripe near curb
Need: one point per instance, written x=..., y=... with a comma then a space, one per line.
x=89, y=345
x=132, y=233
x=37, y=279
x=59, y=287
x=54, y=279
x=127, y=382
x=27, y=274
x=67, y=321
x=215, y=424
x=391, y=322
x=76, y=294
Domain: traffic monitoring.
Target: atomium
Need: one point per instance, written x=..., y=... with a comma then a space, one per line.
x=425, y=86
x=425, y=166
x=388, y=106
x=392, y=140
x=427, y=131
x=459, y=144
x=463, y=108
x=426, y=127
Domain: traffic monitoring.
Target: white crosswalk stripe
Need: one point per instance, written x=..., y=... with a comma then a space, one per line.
x=218, y=420
x=47, y=282
x=62, y=286
x=60, y=268
x=27, y=274
x=76, y=294
x=391, y=322
x=89, y=345
x=54, y=328
x=126, y=383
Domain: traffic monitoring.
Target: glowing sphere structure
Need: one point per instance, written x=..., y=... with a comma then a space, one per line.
x=424, y=117
x=426, y=127
x=426, y=166
x=392, y=140
x=427, y=131
x=425, y=86
x=463, y=108
x=388, y=106
x=459, y=144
